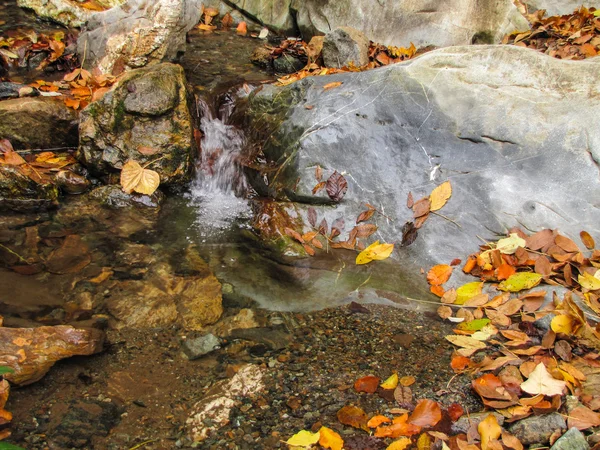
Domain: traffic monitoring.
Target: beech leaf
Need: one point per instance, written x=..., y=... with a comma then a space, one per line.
x=562, y=324
x=336, y=186
x=304, y=439
x=427, y=413
x=440, y=195
x=588, y=281
x=520, y=281
x=509, y=245
x=330, y=439
x=375, y=252
x=468, y=291
x=439, y=274
x=541, y=382
x=391, y=382
x=400, y=444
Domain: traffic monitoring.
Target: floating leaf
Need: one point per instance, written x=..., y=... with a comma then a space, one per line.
x=391, y=382
x=465, y=341
x=489, y=430
x=468, y=291
x=135, y=178
x=509, y=245
x=374, y=252
x=330, y=439
x=336, y=186
x=520, y=281
x=304, y=439
x=541, y=382
x=440, y=195
x=439, y=274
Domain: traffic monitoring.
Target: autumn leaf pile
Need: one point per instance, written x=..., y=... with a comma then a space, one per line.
x=574, y=36
x=19, y=46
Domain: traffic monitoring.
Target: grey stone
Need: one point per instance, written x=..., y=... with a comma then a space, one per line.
x=20, y=193
x=137, y=33
x=197, y=347
x=573, y=439
x=491, y=119
x=544, y=323
x=114, y=197
x=38, y=123
x=463, y=424
x=65, y=12
x=146, y=117
x=345, y=46
x=287, y=64
x=537, y=429
x=11, y=90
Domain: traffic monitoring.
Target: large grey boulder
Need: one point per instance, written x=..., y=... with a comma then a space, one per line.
x=69, y=13
x=515, y=131
x=345, y=46
x=39, y=122
x=146, y=118
x=137, y=33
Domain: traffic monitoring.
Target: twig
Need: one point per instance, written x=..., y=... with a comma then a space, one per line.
x=156, y=160
x=142, y=444
x=41, y=150
x=447, y=218
x=14, y=253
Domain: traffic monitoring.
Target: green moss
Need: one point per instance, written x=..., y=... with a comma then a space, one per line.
x=119, y=115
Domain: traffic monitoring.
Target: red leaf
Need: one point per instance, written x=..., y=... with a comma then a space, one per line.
x=367, y=384
x=336, y=186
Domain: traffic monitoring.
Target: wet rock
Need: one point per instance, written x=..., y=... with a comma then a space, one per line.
x=39, y=122
x=345, y=46
x=212, y=412
x=144, y=118
x=244, y=319
x=262, y=58
x=537, y=429
x=71, y=257
x=137, y=33
x=162, y=299
x=275, y=339
x=469, y=121
x=20, y=193
x=463, y=424
x=197, y=347
x=66, y=12
x=573, y=439
x=71, y=182
x=31, y=352
x=74, y=424
x=16, y=90
x=114, y=197
x=287, y=64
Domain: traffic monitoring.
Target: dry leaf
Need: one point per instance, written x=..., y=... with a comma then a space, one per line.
x=391, y=382
x=332, y=85
x=489, y=430
x=303, y=439
x=440, y=195
x=367, y=384
x=427, y=413
x=439, y=274
x=330, y=439
x=541, y=382
x=375, y=252
x=135, y=178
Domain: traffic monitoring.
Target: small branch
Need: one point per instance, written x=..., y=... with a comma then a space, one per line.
x=447, y=218
x=42, y=150
x=14, y=253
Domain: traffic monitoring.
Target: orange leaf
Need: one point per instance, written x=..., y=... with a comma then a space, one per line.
x=242, y=28
x=426, y=414
x=399, y=428
x=367, y=384
x=330, y=439
x=437, y=290
x=332, y=85
x=470, y=265
x=353, y=416
x=439, y=274
x=375, y=421
x=504, y=271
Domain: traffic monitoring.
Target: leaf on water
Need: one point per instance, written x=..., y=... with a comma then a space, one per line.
x=391, y=382
x=439, y=274
x=330, y=439
x=367, y=384
x=427, y=413
x=135, y=178
x=304, y=439
x=520, y=281
x=541, y=382
x=374, y=252
x=353, y=416
x=440, y=195
x=332, y=85
x=509, y=245
x=336, y=186
x=588, y=281
x=12, y=158
x=587, y=239
x=489, y=430
x=468, y=291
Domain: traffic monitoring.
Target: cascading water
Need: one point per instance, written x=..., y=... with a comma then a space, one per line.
x=220, y=185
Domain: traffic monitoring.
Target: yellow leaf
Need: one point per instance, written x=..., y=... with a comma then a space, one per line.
x=400, y=444
x=588, y=281
x=520, y=281
x=374, y=252
x=424, y=442
x=304, y=439
x=541, y=382
x=562, y=324
x=468, y=291
x=391, y=382
x=489, y=430
x=330, y=439
x=440, y=195
x=510, y=244
x=135, y=178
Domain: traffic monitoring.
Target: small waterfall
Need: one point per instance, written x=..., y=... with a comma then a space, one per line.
x=220, y=186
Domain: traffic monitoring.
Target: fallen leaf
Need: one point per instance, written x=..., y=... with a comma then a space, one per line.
x=400, y=444
x=427, y=413
x=489, y=430
x=391, y=382
x=242, y=28
x=403, y=395
x=562, y=323
x=465, y=341
x=330, y=439
x=400, y=427
x=509, y=245
x=582, y=418
x=367, y=384
x=439, y=274
x=332, y=85
x=520, y=281
x=541, y=382
x=375, y=421
x=587, y=240
x=374, y=252
x=588, y=281
x=468, y=291
x=304, y=439
x=407, y=380
x=336, y=186
x=421, y=207
x=135, y=178
x=353, y=416
x=440, y=195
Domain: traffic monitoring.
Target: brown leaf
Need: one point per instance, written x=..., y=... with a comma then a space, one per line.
x=336, y=186
x=427, y=413
x=332, y=85
x=583, y=418
x=403, y=395
x=294, y=234
x=410, y=201
x=439, y=274
x=409, y=234
x=148, y=151
x=540, y=240
x=71, y=257
x=587, y=240
x=354, y=417
x=365, y=215
x=421, y=207
x=312, y=217
x=543, y=266
x=419, y=221
x=566, y=244
x=318, y=173
x=12, y=158
x=367, y=384
x=319, y=186
x=365, y=230
x=227, y=20
x=5, y=146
